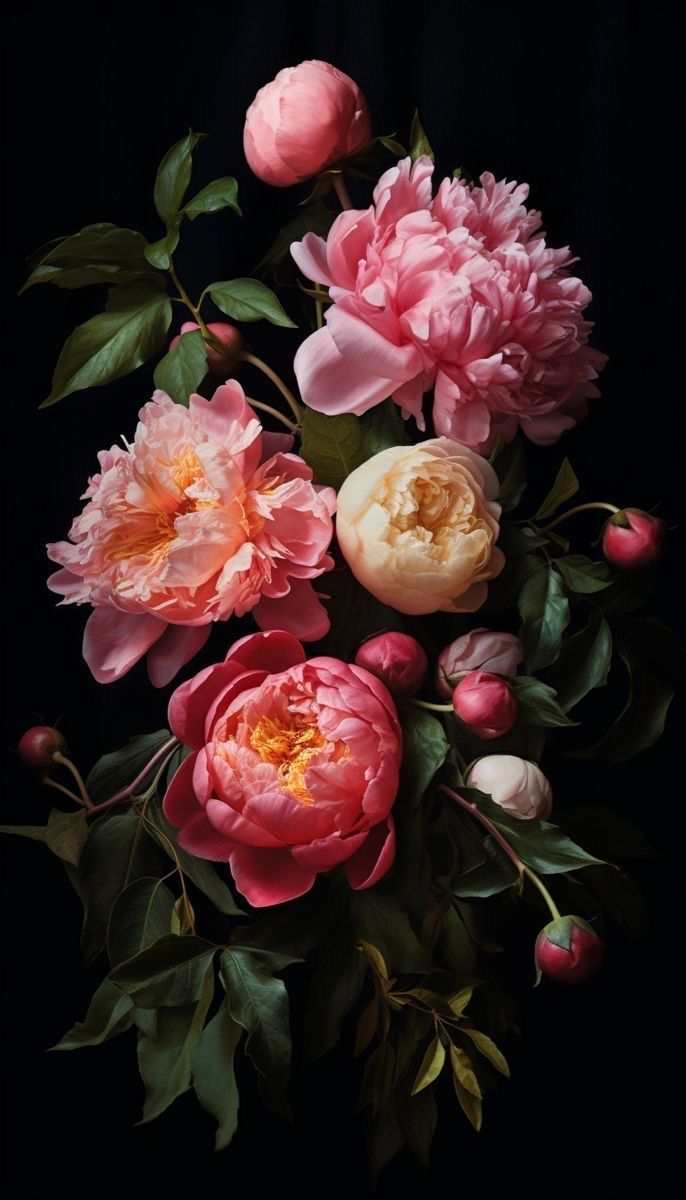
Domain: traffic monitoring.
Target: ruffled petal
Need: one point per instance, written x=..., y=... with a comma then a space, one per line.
x=374, y=858
x=114, y=641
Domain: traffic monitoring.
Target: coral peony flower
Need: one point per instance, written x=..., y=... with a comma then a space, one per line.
x=307, y=118
x=219, y=362
x=517, y=785
x=202, y=517
x=418, y=526
x=295, y=768
x=459, y=292
x=478, y=650
x=633, y=539
x=396, y=659
x=485, y=705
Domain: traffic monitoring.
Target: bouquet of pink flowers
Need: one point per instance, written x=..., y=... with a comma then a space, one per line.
x=354, y=786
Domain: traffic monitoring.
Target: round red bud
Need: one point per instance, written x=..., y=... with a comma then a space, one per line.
x=633, y=540
x=396, y=659
x=568, y=950
x=38, y=747
x=485, y=704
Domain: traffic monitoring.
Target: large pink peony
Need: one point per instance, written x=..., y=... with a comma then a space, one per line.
x=202, y=517
x=459, y=292
x=294, y=770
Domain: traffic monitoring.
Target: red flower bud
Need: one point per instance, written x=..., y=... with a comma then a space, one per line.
x=219, y=362
x=568, y=950
x=633, y=539
x=38, y=747
x=396, y=659
x=485, y=704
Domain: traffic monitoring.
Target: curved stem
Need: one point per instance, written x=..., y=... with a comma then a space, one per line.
x=83, y=791
x=61, y=788
x=537, y=882
x=127, y=792
x=442, y=708
x=578, y=508
x=342, y=190
x=278, y=382
x=189, y=304
x=275, y=413
x=320, y=313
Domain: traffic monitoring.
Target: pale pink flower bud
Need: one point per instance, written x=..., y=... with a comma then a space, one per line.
x=485, y=705
x=633, y=539
x=517, y=785
x=219, y=362
x=479, y=650
x=568, y=950
x=396, y=659
x=306, y=119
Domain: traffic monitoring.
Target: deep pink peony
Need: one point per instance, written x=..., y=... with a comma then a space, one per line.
x=202, y=517
x=459, y=292
x=294, y=770
x=633, y=540
x=307, y=118
x=485, y=704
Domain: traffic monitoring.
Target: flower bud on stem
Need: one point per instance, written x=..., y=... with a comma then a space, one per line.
x=578, y=508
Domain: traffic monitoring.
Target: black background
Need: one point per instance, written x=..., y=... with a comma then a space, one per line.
x=579, y=100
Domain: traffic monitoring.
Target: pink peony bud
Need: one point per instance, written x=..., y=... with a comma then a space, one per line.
x=568, y=950
x=517, y=785
x=633, y=539
x=38, y=747
x=479, y=650
x=397, y=660
x=219, y=362
x=485, y=704
x=307, y=118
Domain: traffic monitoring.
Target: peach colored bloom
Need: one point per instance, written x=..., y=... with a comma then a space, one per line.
x=307, y=118
x=418, y=527
x=460, y=293
x=294, y=770
x=202, y=517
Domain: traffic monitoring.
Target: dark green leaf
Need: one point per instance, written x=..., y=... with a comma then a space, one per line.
x=214, y=1078
x=203, y=874
x=379, y=919
x=332, y=446
x=382, y=427
x=174, y=176
x=66, y=834
x=456, y=944
x=290, y=931
x=606, y=833
x=109, y=1014
x=393, y=147
x=141, y=915
x=510, y=467
x=544, y=610
x=565, y=486
x=336, y=986
x=538, y=702
x=249, y=300
x=355, y=614
x=183, y=369
x=620, y=898
x=259, y=1003
x=418, y=1119
x=117, y=770
x=221, y=193
x=97, y=254
x=116, y=342
x=117, y=852
x=584, y=662
x=583, y=575
x=419, y=142
x=317, y=218
x=167, y=974
x=425, y=747
x=159, y=254
x=542, y=846
x=36, y=833
x=490, y=878
x=165, y=1058
x=385, y=1139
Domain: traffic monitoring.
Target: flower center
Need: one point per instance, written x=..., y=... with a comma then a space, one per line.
x=289, y=748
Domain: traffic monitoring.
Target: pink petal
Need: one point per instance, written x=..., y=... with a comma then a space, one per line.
x=275, y=443
x=374, y=858
x=269, y=876
x=180, y=804
x=188, y=705
x=324, y=853
x=333, y=384
x=243, y=681
x=273, y=650
x=202, y=840
x=299, y=612
x=114, y=641
x=177, y=646
x=368, y=349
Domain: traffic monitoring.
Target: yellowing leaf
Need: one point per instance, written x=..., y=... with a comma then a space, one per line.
x=431, y=1065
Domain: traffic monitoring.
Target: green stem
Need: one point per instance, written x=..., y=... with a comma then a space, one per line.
x=83, y=791
x=442, y=708
x=277, y=381
x=341, y=190
x=538, y=882
x=193, y=308
x=47, y=782
x=579, y=508
x=126, y=793
x=274, y=413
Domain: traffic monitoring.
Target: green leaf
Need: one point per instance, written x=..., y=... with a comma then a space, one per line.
x=653, y=657
x=582, y=575
x=336, y=986
x=430, y=1066
x=385, y=1139
x=290, y=931
x=167, y=974
x=183, y=369
x=620, y=897
x=249, y=300
x=565, y=486
x=117, y=770
x=331, y=446
x=471, y=1105
x=382, y=427
x=114, y=343
x=510, y=467
x=542, y=846
x=36, y=833
x=66, y=834
x=221, y=193
x=355, y=614
x=606, y=833
x=393, y=146
x=456, y=944
x=165, y=1058
x=117, y=852
x=488, y=1048
x=418, y=1119
x=419, y=142
x=174, y=176
x=379, y=919
x=490, y=878
x=259, y=1003
x=141, y=915
x=425, y=747
x=97, y=254
x=463, y=1071
x=214, y=1078
x=583, y=663
x=316, y=218
x=109, y=1014
x=539, y=704
x=203, y=874
x=159, y=254
x=544, y=609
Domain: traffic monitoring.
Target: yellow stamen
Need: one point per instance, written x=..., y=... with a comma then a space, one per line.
x=290, y=748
